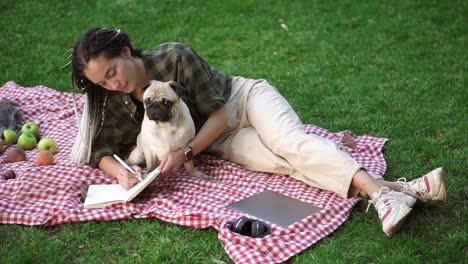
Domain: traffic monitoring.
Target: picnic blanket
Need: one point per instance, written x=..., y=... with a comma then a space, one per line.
x=52, y=195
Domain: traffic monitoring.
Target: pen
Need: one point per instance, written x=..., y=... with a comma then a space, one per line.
x=127, y=167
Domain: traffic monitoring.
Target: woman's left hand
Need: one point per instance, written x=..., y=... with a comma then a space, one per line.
x=172, y=163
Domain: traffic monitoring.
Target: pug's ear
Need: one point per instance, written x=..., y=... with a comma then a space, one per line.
x=178, y=89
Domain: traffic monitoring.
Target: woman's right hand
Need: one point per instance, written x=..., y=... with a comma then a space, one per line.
x=128, y=179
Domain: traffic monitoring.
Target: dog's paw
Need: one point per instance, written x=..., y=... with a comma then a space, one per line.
x=194, y=172
x=136, y=157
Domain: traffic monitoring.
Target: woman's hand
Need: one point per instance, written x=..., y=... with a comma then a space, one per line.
x=128, y=179
x=112, y=167
x=172, y=163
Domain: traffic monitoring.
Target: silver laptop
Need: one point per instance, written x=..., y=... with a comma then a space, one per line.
x=275, y=208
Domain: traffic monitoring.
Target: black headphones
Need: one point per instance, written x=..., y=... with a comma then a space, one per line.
x=250, y=227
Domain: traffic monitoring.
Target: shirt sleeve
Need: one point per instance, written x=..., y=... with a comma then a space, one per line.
x=204, y=92
x=119, y=130
x=99, y=152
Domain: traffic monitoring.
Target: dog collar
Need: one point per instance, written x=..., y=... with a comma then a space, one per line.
x=188, y=153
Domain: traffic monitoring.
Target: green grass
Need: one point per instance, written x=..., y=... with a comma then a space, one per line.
x=395, y=70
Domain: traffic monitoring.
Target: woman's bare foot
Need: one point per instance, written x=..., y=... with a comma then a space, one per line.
x=348, y=140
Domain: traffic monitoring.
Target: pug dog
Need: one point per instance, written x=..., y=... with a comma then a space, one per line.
x=167, y=126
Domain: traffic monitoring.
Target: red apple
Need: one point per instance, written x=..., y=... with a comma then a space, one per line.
x=44, y=158
x=8, y=175
x=15, y=154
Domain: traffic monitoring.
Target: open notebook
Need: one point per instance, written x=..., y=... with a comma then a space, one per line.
x=102, y=195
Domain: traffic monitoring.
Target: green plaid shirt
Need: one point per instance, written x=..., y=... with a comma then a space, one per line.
x=206, y=91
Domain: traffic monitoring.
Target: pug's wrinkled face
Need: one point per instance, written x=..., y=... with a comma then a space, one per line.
x=161, y=101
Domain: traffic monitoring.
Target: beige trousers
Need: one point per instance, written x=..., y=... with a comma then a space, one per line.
x=265, y=134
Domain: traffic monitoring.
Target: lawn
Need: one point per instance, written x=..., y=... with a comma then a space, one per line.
x=394, y=69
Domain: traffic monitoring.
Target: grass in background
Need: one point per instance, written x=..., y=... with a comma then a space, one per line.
x=395, y=70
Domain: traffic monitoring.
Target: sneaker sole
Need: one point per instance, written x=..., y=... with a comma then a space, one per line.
x=439, y=178
x=397, y=226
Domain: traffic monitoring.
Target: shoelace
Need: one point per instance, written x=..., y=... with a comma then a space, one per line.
x=407, y=188
x=383, y=190
x=420, y=187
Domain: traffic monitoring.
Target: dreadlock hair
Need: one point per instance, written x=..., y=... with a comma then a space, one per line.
x=94, y=43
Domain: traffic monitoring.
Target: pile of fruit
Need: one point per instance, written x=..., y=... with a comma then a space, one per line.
x=26, y=140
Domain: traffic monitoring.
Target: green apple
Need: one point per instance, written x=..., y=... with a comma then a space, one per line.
x=9, y=136
x=31, y=128
x=47, y=144
x=27, y=141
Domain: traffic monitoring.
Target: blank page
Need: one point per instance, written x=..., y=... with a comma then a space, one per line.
x=102, y=194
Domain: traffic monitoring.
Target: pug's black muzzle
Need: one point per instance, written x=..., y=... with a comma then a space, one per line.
x=158, y=111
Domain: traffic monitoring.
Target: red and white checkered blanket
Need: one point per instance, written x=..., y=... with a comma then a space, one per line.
x=51, y=195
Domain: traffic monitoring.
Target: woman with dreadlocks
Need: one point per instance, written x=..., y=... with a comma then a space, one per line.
x=242, y=120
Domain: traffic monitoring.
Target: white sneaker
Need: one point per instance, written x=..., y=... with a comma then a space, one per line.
x=393, y=207
x=428, y=188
